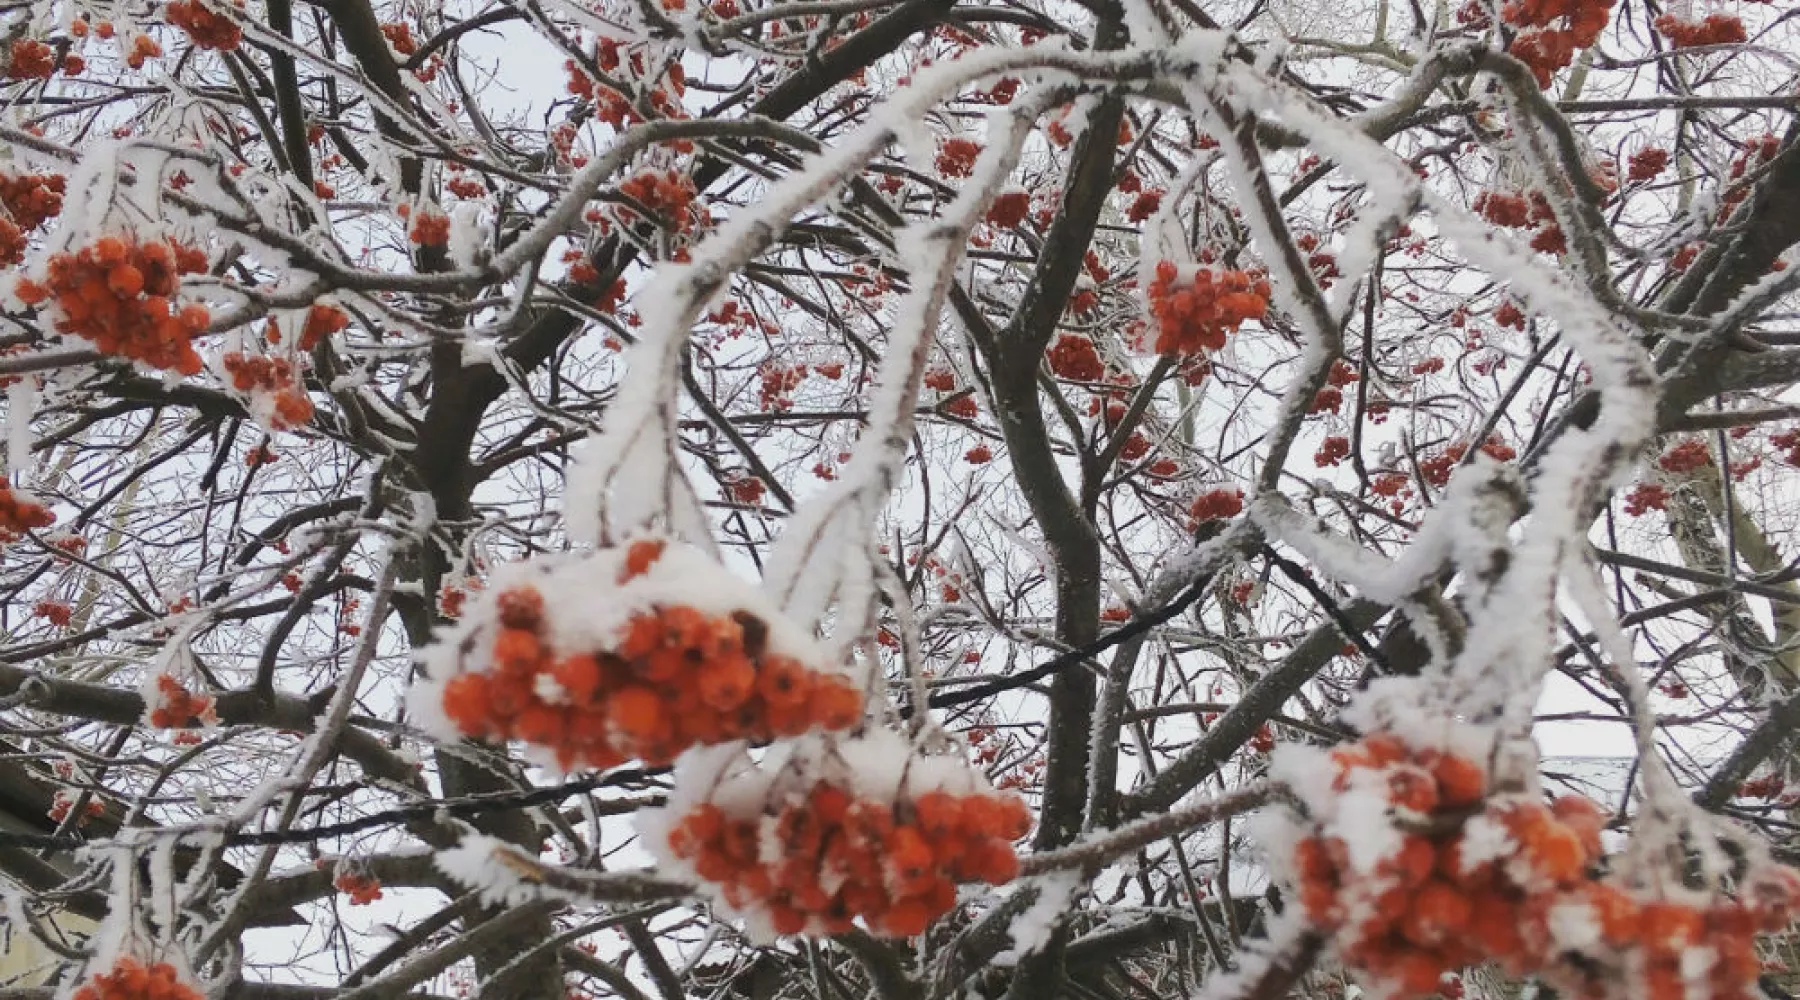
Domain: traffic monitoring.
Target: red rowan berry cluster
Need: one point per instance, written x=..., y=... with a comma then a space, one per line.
x=56, y=613
x=63, y=803
x=664, y=676
x=143, y=48
x=1685, y=456
x=1216, y=505
x=362, y=889
x=1517, y=211
x=1462, y=875
x=1554, y=29
x=1789, y=442
x=981, y=454
x=1198, y=316
x=207, y=29
x=322, y=321
x=31, y=60
x=963, y=406
x=429, y=228
x=1075, y=357
x=956, y=157
x=1715, y=29
x=666, y=195
x=130, y=979
x=119, y=294
x=20, y=513
x=399, y=35
x=1769, y=786
x=1436, y=467
x=271, y=379
x=1144, y=205
x=1644, y=498
x=173, y=706
x=818, y=848
x=1332, y=450
x=28, y=200
x=1008, y=210
x=1647, y=163
x=1756, y=152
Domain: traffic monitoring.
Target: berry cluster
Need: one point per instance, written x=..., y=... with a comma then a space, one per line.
x=429, y=229
x=1647, y=163
x=1789, y=442
x=207, y=29
x=362, y=889
x=956, y=157
x=1008, y=210
x=1332, y=450
x=175, y=707
x=27, y=200
x=1144, y=205
x=56, y=613
x=19, y=513
x=1216, y=505
x=30, y=60
x=814, y=855
x=1075, y=358
x=143, y=48
x=63, y=803
x=1644, y=498
x=1685, y=456
x=668, y=677
x=1198, y=316
x=1519, y=211
x=665, y=194
x=1463, y=875
x=1715, y=29
x=322, y=321
x=119, y=293
x=1553, y=30
x=132, y=980
x=271, y=379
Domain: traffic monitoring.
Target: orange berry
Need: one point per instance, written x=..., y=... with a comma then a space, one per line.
x=726, y=682
x=1585, y=817
x=1615, y=910
x=520, y=608
x=834, y=704
x=1461, y=782
x=638, y=712
x=517, y=649
x=1439, y=912
x=1412, y=787
x=640, y=557
x=1670, y=927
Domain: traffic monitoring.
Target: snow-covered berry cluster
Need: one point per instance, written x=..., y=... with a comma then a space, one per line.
x=1552, y=31
x=120, y=293
x=362, y=889
x=636, y=652
x=27, y=201
x=826, y=832
x=206, y=28
x=1197, y=314
x=172, y=706
x=1075, y=358
x=1418, y=861
x=276, y=394
x=1714, y=29
x=19, y=513
x=130, y=979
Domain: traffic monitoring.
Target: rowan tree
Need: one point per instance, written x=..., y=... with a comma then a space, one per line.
x=905, y=499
